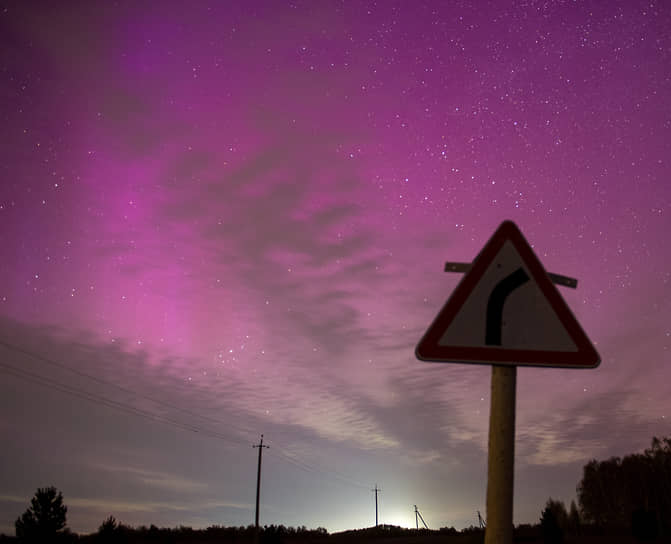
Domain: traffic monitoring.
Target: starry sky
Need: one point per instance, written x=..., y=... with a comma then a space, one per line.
x=231, y=218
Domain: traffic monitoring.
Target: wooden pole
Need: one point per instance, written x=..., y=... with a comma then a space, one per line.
x=258, y=490
x=501, y=462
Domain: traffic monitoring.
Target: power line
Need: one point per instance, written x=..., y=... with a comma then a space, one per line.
x=291, y=458
x=102, y=381
x=296, y=462
x=71, y=390
x=307, y=467
x=110, y=403
x=104, y=401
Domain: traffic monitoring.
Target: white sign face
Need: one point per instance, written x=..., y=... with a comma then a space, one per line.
x=527, y=319
x=507, y=311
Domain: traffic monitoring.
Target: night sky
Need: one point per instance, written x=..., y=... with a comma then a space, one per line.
x=230, y=219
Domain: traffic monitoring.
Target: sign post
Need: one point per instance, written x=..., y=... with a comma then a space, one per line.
x=501, y=457
x=506, y=312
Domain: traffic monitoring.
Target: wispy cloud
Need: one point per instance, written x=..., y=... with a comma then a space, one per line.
x=161, y=480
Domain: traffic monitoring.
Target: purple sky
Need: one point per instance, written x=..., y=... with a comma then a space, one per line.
x=233, y=220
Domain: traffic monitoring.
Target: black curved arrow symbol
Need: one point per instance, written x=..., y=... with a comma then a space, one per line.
x=495, y=305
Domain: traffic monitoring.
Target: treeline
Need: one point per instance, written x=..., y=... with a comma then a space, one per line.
x=110, y=532
x=44, y=522
x=633, y=492
x=623, y=496
x=618, y=496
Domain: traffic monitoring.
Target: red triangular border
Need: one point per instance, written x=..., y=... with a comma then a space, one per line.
x=428, y=348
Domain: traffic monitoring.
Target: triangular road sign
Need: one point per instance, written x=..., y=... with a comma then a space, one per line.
x=506, y=311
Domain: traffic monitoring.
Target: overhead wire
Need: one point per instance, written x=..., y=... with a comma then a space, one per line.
x=110, y=403
x=109, y=383
x=71, y=390
x=308, y=467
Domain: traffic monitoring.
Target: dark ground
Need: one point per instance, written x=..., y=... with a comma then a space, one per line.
x=381, y=535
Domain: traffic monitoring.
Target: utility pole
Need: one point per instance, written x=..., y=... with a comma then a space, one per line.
x=481, y=521
x=420, y=517
x=258, y=484
x=376, y=490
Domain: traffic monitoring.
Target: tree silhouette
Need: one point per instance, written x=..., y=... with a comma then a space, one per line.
x=573, y=519
x=44, y=520
x=633, y=492
x=109, y=530
x=554, y=520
